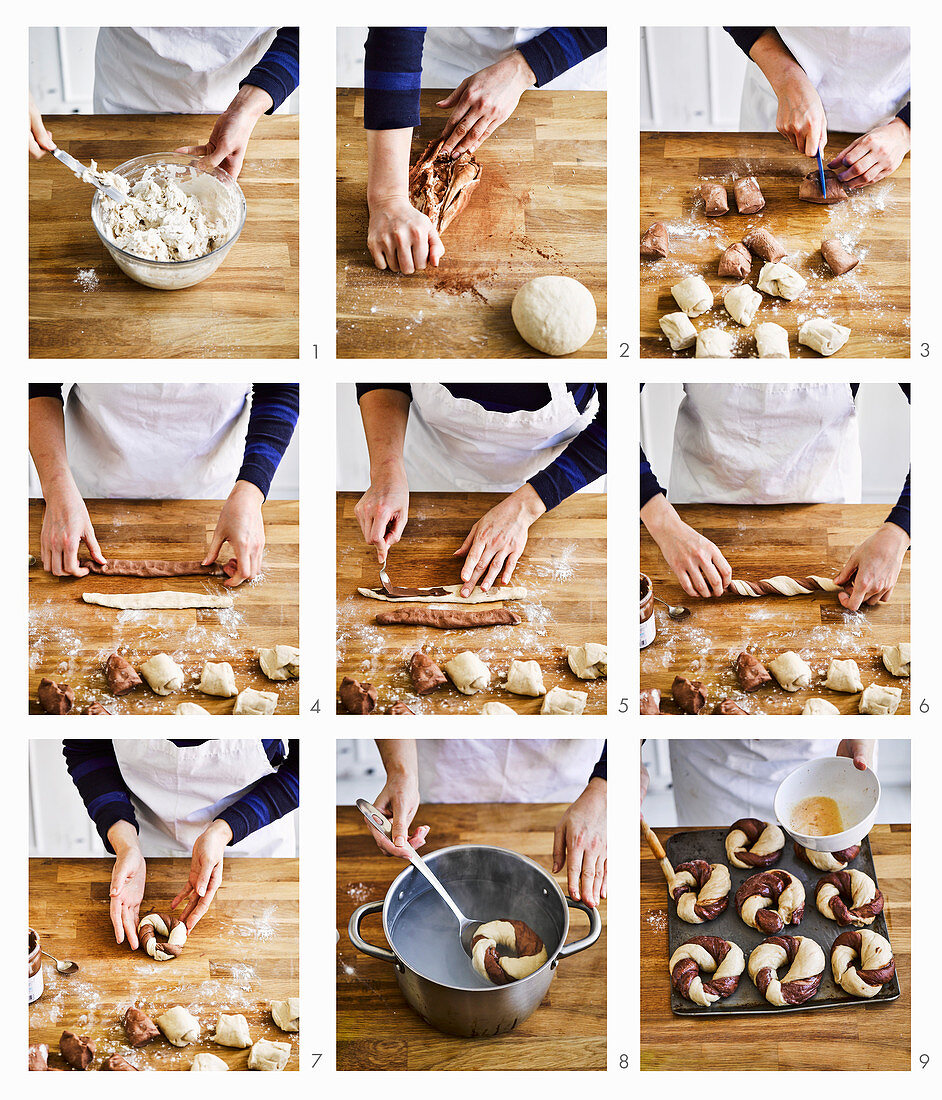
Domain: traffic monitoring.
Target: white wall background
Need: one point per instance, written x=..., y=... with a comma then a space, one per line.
x=360, y=772
x=882, y=415
x=350, y=42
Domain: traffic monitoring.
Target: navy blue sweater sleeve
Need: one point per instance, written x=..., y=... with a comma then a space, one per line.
x=583, y=460
x=275, y=409
x=900, y=515
x=559, y=49
x=94, y=770
x=270, y=799
x=600, y=771
x=650, y=486
x=278, y=71
x=392, y=77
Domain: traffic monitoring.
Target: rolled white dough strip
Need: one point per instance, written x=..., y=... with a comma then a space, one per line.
x=783, y=586
x=160, y=601
x=493, y=595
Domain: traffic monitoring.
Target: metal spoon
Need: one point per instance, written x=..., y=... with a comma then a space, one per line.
x=675, y=613
x=382, y=824
x=66, y=966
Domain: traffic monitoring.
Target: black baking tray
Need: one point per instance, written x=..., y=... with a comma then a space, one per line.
x=709, y=844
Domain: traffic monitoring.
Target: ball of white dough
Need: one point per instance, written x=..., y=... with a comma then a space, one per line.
x=554, y=313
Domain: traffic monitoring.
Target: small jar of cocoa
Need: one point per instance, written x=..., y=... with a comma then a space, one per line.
x=648, y=622
x=35, y=967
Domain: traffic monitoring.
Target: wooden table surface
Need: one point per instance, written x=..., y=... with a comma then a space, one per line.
x=69, y=640
x=872, y=300
x=860, y=1037
x=376, y=1028
x=246, y=309
x=242, y=955
x=539, y=209
x=563, y=569
x=795, y=540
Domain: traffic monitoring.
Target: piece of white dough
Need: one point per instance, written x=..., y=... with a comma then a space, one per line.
x=281, y=662
x=844, y=676
x=678, y=330
x=554, y=314
x=781, y=281
x=896, y=658
x=525, y=678
x=232, y=1031
x=693, y=295
x=209, y=1062
x=495, y=708
x=714, y=343
x=564, y=701
x=880, y=700
x=251, y=701
x=589, y=661
x=193, y=709
x=179, y=1026
x=163, y=674
x=820, y=706
x=493, y=595
x=218, y=679
x=287, y=1014
x=791, y=671
x=772, y=341
x=823, y=336
x=266, y=1054
x=468, y=673
x=741, y=303
x=157, y=601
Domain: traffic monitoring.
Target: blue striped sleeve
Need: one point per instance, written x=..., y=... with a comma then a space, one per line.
x=600, y=771
x=584, y=459
x=561, y=48
x=278, y=71
x=274, y=415
x=93, y=768
x=271, y=798
x=392, y=77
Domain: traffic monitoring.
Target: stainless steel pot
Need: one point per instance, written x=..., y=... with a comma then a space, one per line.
x=434, y=973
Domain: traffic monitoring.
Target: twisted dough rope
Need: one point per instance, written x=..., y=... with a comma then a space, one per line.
x=770, y=900
x=523, y=951
x=827, y=861
x=876, y=963
x=173, y=937
x=806, y=964
x=700, y=889
x=722, y=959
x=754, y=843
x=782, y=586
x=849, y=897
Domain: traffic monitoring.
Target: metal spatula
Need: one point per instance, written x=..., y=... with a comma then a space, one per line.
x=77, y=168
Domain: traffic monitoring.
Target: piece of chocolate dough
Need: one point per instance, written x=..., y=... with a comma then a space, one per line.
x=688, y=695
x=441, y=187
x=55, y=698
x=810, y=189
x=727, y=706
x=749, y=198
x=117, y=1061
x=77, y=1050
x=651, y=701
x=736, y=261
x=139, y=1027
x=96, y=708
x=39, y=1057
x=425, y=673
x=751, y=672
x=356, y=697
x=152, y=567
x=120, y=675
x=836, y=256
x=443, y=619
x=656, y=241
x=400, y=708
x=761, y=243
x=715, y=199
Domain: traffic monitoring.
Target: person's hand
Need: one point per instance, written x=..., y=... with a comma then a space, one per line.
x=483, y=101
x=205, y=873
x=494, y=544
x=383, y=510
x=873, y=568
x=697, y=563
x=128, y=878
x=229, y=140
x=66, y=525
x=399, y=800
x=402, y=238
x=874, y=155
x=861, y=752
x=240, y=524
x=580, y=845
x=645, y=781
x=40, y=140
x=800, y=118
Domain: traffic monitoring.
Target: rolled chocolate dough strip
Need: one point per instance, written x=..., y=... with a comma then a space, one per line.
x=152, y=567
x=443, y=618
x=156, y=601
x=448, y=593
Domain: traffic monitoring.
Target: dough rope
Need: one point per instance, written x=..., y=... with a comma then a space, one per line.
x=754, y=843
x=504, y=951
x=849, y=897
x=805, y=961
x=782, y=586
x=862, y=962
x=700, y=889
x=173, y=937
x=827, y=861
x=449, y=593
x=156, y=601
x=152, y=567
x=722, y=959
x=770, y=900
x=442, y=618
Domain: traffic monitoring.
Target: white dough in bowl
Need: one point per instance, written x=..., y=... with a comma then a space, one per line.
x=554, y=314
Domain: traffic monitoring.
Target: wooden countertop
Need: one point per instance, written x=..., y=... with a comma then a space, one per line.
x=246, y=309
x=376, y=1029
x=862, y=1037
x=783, y=540
x=70, y=639
x=563, y=568
x=540, y=209
x=242, y=955
x=874, y=223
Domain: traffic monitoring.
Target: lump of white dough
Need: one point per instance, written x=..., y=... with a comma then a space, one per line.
x=209, y=1062
x=217, y=679
x=778, y=280
x=251, y=701
x=287, y=1014
x=179, y=1026
x=192, y=709
x=563, y=701
x=741, y=303
x=232, y=1031
x=693, y=295
x=266, y=1054
x=844, y=676
x=281, y=662
x=678, y=330
x=772, y=341
x=525, y=678
x=823, y=336
x=820, y=706
x=714, y=343
x=554, y=314
x=896, y=658
x=163, y=674
x=494, y=708
x=468, y=673
x=589, y=661
x=791, y=671
x=880, y=700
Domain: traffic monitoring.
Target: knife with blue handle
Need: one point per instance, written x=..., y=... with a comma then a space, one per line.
x=824, y=189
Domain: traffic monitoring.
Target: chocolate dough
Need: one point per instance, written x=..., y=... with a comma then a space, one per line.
x=751, y=672
x=117, y=1061
x=120, y=675
x=749, y=198
x=152, y=567
x=651, y=701
x=715, y=200
x=55, y=698
x=736, y=260
x=400, y=708
x=441, y=187
x=443, y=619
x=77, y=1050
x=728, y=707
x=96, y=708
x=356, y=697
x=836, y=256
x=762, y=244
x=39, y=1057
x=810, y=189
x=139, y=1027
x=425, y=673
x=688, y=695
x=656, y=241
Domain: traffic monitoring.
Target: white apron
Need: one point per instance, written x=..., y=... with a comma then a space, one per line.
x=505, y=770
x=766, y=443
x=455, y=444
x=453, y=53
x=861, y=74
x=159, y=440
x=178, y=792
x=174, y=70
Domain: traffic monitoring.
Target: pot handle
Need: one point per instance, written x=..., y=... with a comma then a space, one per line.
x=595, y=930
x=353, y=930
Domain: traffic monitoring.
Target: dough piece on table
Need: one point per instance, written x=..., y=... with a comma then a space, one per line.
x=880, y=700
x=468, y=673
x=77, y=1050
x=781, y=281
x=525, y=678
x=39, y=1057
x=715, y=199
x=688, y=695
x=163, y=674
x=280, y=662
x=736, y=260
x=232, y=1031
x=251, y=701
x=656, y=241
x=810, y=188
x=269, y=1055
x=836, y=256
x=896, y=658
x=120, y=675
x=650, y=701
x=494, y=708
x=693, y=295
x=741, y=303
x=844, y=676
x=554, y=314
x=761, y=243
x=819, y=706
x=714, y=343
x=118, y=1062
x=772, y=341
x=751, y=672
x=179, y=1026
x=589, y=661
x=563, y=701
x=139, y=1027
x=823, y=336
x=425, y=673
x=443, y=618
x=209, y=1062
x=678, y=330
x=218, y=679
x=287, y=1014
x=791, y=671
x=357, y=698
x=400, y=708
x=156, y=601
x=728, y=706
x=55, y=698
x=451, y=595
x=96, y=708
x=192, y=709
x=749, y=198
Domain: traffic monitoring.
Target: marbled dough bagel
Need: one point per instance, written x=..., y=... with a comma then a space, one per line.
x=700, y=889
x=721, y=959
x=827, y=861
x=862, y=962
x=805, y=961
x=770, y=900
x=504, y=951
x=754, y=843
x=849, y=897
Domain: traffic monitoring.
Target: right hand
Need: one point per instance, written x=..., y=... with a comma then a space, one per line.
x=645, y=781
x=697, y=563
x=40, y=140
x=383, y=510
x=402, y=238
x=128, y=878
x=399, y=800
x=66, y=525
x=801, y=118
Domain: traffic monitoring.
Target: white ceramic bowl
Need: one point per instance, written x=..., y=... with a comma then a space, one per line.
x=856, y=793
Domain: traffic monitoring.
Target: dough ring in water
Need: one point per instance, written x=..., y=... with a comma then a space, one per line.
x=172, y=937
x=504, y=951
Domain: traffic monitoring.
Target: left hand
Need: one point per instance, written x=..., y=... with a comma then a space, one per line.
x=241, y=525
x=873, y=156
x=581, y=845
x=484, y=101
x=229, y=140
x=861, y=752
x=205, y=873
x=876, y=562
x=498, y=539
